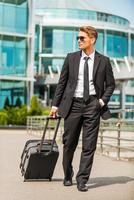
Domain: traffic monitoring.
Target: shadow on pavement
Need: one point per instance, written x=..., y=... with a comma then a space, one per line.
x=104, y=181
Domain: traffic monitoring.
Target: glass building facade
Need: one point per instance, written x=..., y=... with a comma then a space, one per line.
x=57, y=27
x=14, y=18
x=13, y=54
x=36, y=45
x=59, y=40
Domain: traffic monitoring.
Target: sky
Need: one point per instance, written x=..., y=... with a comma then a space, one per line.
x=124, y=8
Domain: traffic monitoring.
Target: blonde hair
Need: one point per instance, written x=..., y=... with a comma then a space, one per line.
x=91, y=31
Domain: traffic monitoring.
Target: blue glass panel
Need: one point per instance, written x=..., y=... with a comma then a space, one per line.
x=132, y=45
x=20, y=42
x=12, y=90
x=21, y=19
x=7, y=55
x=55, y=63
x=58, y=41
x=45, y=63
x=117, y=44
x=47, y=38
x=75, y=47
x=37, y=33
x=0, y=53
x=1, y=15
x=13, y=56
x=115, y=98
x=20, y=61
x=14, y=18
x=9, y=17
x=20, y=56
x=100, y=42
x=62, y=41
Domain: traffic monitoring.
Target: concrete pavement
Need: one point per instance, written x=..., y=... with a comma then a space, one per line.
x=110, y=179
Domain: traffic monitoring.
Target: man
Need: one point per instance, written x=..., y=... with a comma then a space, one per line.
x=84, y=89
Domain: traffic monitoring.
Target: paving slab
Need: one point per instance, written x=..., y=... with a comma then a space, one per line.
x=110, y=179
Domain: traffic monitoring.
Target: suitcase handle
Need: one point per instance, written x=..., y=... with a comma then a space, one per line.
x=45, y=129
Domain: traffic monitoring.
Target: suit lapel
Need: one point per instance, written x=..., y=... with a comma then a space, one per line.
x=76, y=64
x=96, y=63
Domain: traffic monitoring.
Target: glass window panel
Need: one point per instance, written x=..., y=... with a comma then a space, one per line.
x=132, y=45
x=9, y=17
x=100, y=42
x=1, y=15
x=37, y=33
x=57, y=63
x=13, y=1
x=13, y=56
x=47, y=38
x=117, y=44
x=20, y=56
x=75, y=42
x=20, y=42
x=0, y=54
x=45, y=63
x=20, y=61
x=7, y=53
x=12, y=90
x=62, y=41
x=21, y=19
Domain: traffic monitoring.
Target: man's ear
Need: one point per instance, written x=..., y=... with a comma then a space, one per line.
x=93, y=40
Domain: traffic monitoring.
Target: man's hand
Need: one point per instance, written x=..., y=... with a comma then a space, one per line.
x=53, y=112
x=101, y=102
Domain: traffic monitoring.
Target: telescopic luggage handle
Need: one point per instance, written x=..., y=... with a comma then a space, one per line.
x=45, y=129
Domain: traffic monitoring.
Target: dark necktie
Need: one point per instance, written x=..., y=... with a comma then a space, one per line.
x=86, y=80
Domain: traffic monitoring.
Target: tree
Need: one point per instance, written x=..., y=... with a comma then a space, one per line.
x=7, y=103
x=18, y=102
x=35, y=108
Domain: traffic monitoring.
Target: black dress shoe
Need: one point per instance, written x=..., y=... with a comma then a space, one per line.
x=67, y=182
x=82, y=187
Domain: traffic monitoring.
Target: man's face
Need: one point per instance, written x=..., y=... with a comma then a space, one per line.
x=84, y=41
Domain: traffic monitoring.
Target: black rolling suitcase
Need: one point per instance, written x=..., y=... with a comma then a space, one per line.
x=39, y=157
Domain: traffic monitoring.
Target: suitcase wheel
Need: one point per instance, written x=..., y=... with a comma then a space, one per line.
x=50, y=179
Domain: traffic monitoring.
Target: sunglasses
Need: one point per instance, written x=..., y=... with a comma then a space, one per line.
x=81, y=38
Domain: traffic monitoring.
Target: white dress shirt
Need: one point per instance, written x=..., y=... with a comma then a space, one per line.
x=79, y=88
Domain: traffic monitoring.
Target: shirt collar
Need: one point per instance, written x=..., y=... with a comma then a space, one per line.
x=91, y=55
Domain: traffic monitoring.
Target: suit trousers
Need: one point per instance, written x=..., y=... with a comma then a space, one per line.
x=84, y=116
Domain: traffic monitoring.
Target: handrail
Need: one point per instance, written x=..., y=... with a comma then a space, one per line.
x=36, y=124
x=120, y=127
x=115, y=134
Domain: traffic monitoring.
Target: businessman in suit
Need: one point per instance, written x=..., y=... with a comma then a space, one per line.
x=85, y=86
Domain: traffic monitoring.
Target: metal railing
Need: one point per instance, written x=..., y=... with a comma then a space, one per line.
x=36, y=124
x=116, y=136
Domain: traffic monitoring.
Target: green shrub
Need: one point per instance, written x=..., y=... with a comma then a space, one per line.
x=3, y=117
x=46, y=111
x=22, y=115
x=35, y=108
x=12, y=115
x=17, y=116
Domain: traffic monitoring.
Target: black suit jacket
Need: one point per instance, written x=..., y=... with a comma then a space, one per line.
x=102, y=78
